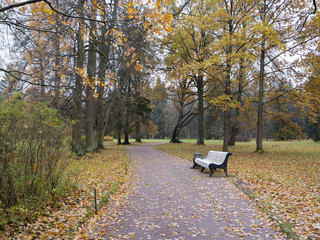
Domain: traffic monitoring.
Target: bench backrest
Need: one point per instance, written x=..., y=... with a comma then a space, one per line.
x=217, y=157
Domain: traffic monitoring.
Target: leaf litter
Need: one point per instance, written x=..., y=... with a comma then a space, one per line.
x=104, y=171
x=284, y=181
x=164, y=204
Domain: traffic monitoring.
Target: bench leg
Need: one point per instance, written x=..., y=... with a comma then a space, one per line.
x=225, y=170
x=194, y=164
x=202, y=169
x=211, y=171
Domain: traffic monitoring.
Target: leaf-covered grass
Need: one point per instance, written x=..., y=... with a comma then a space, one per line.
x=285, y=179
x=104, y=171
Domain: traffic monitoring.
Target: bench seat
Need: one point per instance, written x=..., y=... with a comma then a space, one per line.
x=212, y=161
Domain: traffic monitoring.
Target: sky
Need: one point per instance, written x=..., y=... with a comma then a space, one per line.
x=5, y=45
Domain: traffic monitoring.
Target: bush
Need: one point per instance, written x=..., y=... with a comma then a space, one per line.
x=241, y=138
x=316, y=131
x=31, y=149
x=108, y=139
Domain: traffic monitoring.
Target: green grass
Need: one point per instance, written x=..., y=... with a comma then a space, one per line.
x=167, y=140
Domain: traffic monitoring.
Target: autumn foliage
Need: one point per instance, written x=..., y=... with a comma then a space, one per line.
x=242, y=64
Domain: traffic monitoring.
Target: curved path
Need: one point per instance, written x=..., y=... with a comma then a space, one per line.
x=171, y=201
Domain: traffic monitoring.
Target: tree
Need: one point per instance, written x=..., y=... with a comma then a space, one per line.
x=183, y=99
x=309, y=99
x=275, y=31
x=104, y=53
x=77, y=94
x=188, y=44
x=100, y=26
x=230, y=49
x=158, y=99
x=184, y=102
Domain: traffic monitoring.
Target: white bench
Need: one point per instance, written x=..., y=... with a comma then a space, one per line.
x=212, y=161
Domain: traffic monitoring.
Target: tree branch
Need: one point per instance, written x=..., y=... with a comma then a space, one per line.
x=16, y=5
x=181, y=8
x=11, y=73
x=315, y=6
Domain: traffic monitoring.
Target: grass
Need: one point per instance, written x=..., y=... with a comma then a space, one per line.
x=104, y=171
x=167, y=140
x=286, y=177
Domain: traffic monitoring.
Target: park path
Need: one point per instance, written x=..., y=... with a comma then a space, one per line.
x=169, y=200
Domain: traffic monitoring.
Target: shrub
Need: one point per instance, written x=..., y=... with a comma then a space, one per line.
x=31, y=149
x=316, y=131
x=241, y=138
x=108, y=139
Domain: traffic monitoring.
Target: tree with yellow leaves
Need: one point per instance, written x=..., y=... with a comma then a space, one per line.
x=274, y=32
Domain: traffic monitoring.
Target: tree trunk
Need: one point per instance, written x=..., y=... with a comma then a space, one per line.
x=227, y=112
x=100, y=133
x=200, y=87
x=176, y=130
x=127, y=125
x=57, y=61
x=226, y=128
x=91, y=141
x=106, y=117
x=126, y=131
x=43, y=88
x=101, y=76
x=175, y=135
x=138, y=131
x=119, y=134
x=236, y=127
x=233, y=135
x=105, y=44
x=260, y=101
x=126, y=139
x=77, y=94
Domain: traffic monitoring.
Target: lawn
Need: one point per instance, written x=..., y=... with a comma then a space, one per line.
x=103, y=171
x=284, y=180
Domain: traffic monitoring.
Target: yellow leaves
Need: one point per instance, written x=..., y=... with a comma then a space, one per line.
x=138, y=67
x=225, y=102
x=131, y=11
x=168, y=28
x=87, y=171
x=284, y=180
x=146, y=25
x=41, y=8
x=23, y=9
x=62, y=90
x=131, y=54
x=82, y=72
x=120, y=39
x=228, y=229
x=35, y=167
x=63, y=78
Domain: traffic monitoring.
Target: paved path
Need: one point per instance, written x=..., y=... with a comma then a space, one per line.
x=171, y=201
